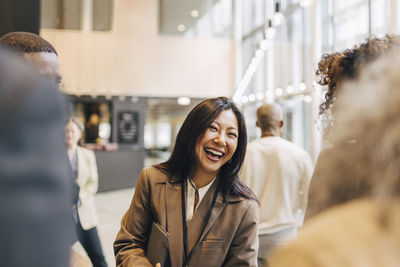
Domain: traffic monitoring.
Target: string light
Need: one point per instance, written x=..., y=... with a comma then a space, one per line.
x=252, y=98
x=270, y=31
x=278, y=16
x=302, y=86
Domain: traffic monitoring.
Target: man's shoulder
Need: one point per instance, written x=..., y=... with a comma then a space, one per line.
x=286, y=144
x=278, y=145
x=275, y=141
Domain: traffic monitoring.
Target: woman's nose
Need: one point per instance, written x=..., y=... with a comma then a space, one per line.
x=220, y=139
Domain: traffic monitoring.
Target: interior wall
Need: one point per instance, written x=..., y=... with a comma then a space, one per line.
x=133, y=59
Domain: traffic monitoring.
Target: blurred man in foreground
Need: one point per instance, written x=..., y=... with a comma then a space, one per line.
x=36, y=50
x=35, y=225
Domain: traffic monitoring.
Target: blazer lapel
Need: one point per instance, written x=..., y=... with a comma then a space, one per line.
x=218, y=208
x=174, y=223
x=81, y=163
x=196, y=223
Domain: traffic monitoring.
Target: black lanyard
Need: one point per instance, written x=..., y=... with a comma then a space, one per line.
x=184, y=226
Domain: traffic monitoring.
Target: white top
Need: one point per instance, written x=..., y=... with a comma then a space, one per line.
x=190, y=197
x=279, y=173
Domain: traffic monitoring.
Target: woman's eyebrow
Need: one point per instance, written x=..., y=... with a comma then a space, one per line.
x=229, y=128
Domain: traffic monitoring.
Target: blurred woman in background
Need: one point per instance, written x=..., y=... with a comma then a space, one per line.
x=83, y=163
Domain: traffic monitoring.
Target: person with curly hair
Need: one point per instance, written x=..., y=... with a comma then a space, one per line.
x=333, y=71
x=336, y=68
x=363, y=231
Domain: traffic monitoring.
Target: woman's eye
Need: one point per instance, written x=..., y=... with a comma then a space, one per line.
x=232, y=134
x=213, y=128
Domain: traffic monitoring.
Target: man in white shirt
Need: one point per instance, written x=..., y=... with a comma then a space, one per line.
x=279, y=173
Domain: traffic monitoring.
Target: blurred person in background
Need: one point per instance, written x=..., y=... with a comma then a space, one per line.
x=365, y=231
x=196, y=196
x=333, y=71
x=279, y=173
x=35, y=226
x=84, y=167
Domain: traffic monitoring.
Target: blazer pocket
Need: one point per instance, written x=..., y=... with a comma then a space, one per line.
x=211, y=244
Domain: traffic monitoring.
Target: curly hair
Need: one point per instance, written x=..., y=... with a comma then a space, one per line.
x=337, y=67
x=366, y=158
x=26, y=42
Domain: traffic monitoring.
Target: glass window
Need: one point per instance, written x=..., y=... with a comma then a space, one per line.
x=351, y=22
x=69, y=14
x=203, y=18
x=380, y=17
x=298, y=124
x=163, y=135
x=102, y=14
x=253, y=15
x=61, y=14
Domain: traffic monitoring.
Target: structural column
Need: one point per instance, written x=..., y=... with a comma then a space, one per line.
x=19, y=15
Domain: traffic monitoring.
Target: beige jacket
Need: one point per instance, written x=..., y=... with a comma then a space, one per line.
x=88, y=183
x=351, y=235
x=230, y=237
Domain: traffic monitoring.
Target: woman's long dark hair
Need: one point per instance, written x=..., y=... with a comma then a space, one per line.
x=182, y=161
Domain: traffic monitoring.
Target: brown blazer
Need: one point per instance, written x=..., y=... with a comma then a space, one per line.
x=230, y=237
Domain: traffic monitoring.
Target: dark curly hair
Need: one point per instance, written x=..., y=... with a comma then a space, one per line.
x=337, y=67
x=26, y=42
x=369, y=165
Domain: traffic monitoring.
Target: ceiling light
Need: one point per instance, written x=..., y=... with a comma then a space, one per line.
x=181, y=27
x=194, y=13
x=252, y=98
x=307, y=98
x=289, y=89
x=270, y=31
x=302, y=86
x=278, y=16
x=263, y=44
x=260, y=96
x=269, y=94
x=278, y=91
x=184, y=101
x=244, y=99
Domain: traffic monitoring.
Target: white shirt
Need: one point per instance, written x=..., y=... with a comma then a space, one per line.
x=279, y=173
x=191, y=194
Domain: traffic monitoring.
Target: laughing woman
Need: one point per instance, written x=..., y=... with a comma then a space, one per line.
x=196, y=196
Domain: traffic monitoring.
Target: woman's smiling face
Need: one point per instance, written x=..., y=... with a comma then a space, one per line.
x=217, y=144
